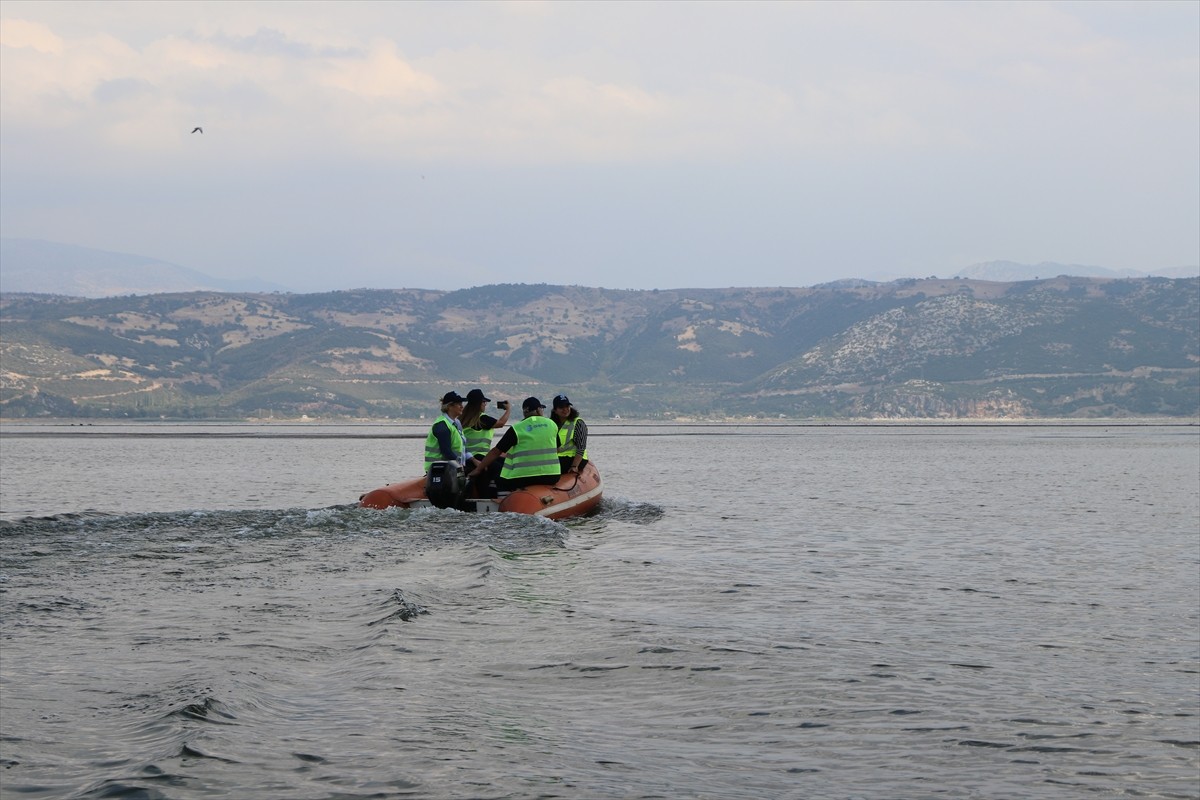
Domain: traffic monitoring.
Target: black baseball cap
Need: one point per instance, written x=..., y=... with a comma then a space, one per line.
x=561, y=401
x=532, y=403
x=452, y=397
x=475, y=395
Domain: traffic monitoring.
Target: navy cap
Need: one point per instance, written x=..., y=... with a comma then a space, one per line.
x=561, y=401
x=452, y=397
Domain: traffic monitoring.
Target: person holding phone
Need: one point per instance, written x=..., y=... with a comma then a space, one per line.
x=478, y=427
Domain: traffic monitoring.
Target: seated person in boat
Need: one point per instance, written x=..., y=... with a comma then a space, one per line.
x=478, y=427
x=572, y=435
x=530, y=449
x=445, y=441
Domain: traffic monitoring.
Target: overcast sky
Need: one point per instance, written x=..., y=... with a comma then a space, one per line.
x=617, y=144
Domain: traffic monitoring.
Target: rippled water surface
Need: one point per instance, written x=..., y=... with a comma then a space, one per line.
x=755, y=612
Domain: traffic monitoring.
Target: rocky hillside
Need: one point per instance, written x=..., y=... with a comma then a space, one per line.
x=1066, y=347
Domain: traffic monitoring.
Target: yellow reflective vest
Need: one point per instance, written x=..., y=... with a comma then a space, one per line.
x=433, y=452
x=566, y=440
x=479, y=440
x=536, y=451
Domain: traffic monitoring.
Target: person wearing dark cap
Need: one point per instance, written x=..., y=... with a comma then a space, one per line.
x=531, y=448
x=572, y=435
x=478, y=427
x=445, y=440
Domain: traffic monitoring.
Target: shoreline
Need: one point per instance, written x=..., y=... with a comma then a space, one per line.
x=414, y=429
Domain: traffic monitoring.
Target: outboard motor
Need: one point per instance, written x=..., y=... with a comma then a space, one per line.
x=444, y=485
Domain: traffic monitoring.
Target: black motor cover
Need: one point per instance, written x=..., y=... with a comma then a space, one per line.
x=444, y=485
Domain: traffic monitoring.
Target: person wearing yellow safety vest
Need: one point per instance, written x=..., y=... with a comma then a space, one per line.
x=531, y=448
x=445, y=440
x=478, y=427
x=572, y=435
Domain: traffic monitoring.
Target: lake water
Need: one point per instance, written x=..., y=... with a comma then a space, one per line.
x=200, y=611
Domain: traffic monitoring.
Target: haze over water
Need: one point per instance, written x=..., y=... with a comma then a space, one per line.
x=756, y=611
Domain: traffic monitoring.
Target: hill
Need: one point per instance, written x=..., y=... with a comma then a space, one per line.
x=1064, y=347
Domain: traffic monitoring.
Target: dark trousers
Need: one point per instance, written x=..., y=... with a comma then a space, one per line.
x=508, y=484
x=487, y=483
x=564, y=464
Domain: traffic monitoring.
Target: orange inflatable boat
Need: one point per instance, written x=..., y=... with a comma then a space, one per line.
x=572, y=496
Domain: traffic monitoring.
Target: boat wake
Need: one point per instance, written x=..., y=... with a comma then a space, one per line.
x=348, y=518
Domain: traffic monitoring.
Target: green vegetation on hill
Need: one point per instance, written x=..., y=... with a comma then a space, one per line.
x=1065, y=347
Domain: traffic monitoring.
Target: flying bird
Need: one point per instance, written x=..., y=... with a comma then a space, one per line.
x=197, y=129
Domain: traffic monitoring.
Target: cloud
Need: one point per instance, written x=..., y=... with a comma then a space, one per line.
x=844, y=133
x=379, y=73
x=271, y=42
x=913, y=77
x=19, y=33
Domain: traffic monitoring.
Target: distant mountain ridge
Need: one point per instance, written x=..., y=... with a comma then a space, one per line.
x=952, y=348
x=41, y=267
x=1011, y=271
x=36, y=266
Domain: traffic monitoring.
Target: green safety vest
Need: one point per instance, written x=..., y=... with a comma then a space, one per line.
x=566, y=440
x=479, y=440
x=536, y=451
x=432, y=451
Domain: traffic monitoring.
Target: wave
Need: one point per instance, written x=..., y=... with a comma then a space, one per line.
x=296, y=521
x=181, y=542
